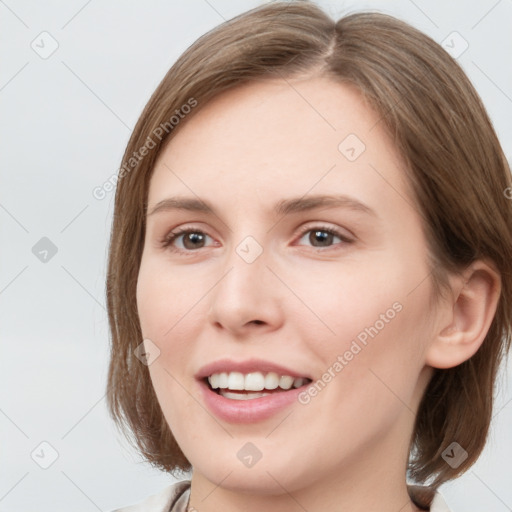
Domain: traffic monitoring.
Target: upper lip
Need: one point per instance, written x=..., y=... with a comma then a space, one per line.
x=246, y=366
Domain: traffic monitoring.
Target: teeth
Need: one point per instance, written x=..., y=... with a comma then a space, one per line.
x=236, y=381
x=271, y=380
x=254, y=381
x=297, y=383
x=223, y=380
x=241, y=396
x=286, y=382
x=214, y=380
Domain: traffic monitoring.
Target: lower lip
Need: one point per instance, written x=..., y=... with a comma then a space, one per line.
x=248, y=411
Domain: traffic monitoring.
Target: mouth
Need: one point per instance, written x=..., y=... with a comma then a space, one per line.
x=253, y=385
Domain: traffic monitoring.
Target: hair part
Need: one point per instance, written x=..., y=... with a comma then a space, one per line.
x=454, y=164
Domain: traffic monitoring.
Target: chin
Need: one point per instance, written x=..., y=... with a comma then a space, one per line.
x=262, y=479
x=253, y=483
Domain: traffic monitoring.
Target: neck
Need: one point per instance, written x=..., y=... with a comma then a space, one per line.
x=373, y=481
x=324, y=497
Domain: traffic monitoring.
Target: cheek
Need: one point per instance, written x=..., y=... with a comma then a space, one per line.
x=171, y=315
x=165, y=308
x=165, y=299
x=149, y=298
x=370, y=370
x=374, y=317
x=349, y=299
x=377, y=354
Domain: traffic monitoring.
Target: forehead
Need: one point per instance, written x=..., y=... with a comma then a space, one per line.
x=278, y=113
x=286, y=135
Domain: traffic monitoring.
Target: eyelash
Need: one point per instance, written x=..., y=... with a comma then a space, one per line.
x=168, y=240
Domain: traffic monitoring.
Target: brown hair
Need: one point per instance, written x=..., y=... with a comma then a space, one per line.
x=455, y=164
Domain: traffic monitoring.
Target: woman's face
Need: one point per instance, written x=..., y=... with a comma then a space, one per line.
x=276, y=281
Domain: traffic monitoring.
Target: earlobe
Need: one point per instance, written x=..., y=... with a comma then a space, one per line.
x=467, y=316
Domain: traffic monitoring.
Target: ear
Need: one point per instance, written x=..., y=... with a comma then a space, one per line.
x=465, y=318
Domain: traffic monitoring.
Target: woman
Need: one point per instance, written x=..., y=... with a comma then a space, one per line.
x=309, y=281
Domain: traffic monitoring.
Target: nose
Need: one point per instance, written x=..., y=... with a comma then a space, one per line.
x=247, y=296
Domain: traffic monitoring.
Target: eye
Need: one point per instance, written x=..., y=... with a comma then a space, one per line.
x=323, y=236
x=191, y=239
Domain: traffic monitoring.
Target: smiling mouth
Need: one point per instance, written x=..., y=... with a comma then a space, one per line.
x=239, y=386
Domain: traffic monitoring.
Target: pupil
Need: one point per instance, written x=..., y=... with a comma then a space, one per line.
x=322, y=236
x=318, y=236
x=192, y=238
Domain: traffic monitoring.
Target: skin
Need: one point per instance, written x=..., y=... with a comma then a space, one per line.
x=302, y=302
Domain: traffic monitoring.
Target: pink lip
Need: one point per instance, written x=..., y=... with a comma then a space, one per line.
x=248, y=411
x=250, y=365
x=255, y=409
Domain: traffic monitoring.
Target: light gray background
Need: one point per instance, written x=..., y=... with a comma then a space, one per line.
x=65, y=122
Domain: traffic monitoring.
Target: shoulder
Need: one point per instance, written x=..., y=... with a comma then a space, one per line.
x=176, y=496
x=439, y=504
x=427, y=498
x=173, y=498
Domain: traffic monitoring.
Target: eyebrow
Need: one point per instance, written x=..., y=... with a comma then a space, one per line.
x=283, y=207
